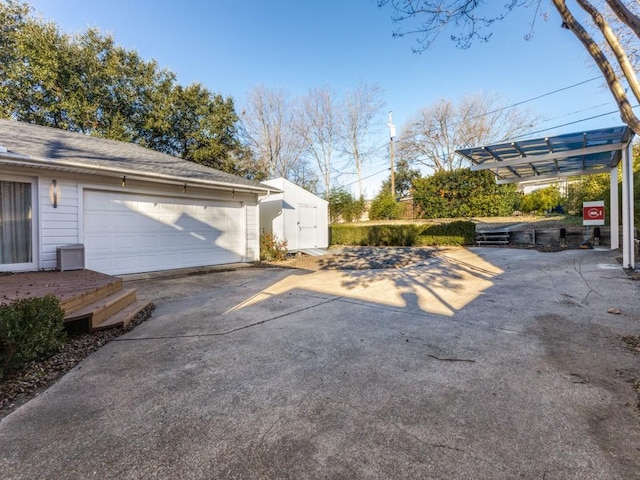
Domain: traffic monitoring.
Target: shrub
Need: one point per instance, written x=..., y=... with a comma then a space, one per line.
x=384, y=207
x=463, y=193
x=343, y=206
x=272, y=249
x=454, y=233
x=541, y=201
x=30, y=328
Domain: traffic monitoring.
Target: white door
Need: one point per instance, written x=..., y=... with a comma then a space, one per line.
x=129, y=233
x=306, y=226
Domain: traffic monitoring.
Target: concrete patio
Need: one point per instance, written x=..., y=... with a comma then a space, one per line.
x=476, y=363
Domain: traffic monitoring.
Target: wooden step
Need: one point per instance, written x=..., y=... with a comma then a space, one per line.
x=124, y=316
x=87, y=297
x=103, y=308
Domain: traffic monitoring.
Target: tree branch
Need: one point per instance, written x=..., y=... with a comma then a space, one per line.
x=613, y=42
x=626, y=15
x=628, y=116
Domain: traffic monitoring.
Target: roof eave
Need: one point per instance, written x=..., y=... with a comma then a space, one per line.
x=12, y=159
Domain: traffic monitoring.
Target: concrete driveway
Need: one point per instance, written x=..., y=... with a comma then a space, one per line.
x=473, y=364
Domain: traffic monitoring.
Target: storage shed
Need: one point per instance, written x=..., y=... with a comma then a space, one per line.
x=295, y=215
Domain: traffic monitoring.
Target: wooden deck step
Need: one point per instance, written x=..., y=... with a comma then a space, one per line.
x=105, y=307
x=88, y=297
x=124, y=316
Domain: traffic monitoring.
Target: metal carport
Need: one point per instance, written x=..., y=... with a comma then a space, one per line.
x=568, y=155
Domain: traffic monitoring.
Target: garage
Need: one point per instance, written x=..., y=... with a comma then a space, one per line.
x=132, y=233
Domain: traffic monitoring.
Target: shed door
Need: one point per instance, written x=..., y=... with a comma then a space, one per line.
x=307, y=226
x=130, y=233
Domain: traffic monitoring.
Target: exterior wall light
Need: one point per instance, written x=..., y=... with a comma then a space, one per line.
x=54, y=193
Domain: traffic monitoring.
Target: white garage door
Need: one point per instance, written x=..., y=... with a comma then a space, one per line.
x=125, y=233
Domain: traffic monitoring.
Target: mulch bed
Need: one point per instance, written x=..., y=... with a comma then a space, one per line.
x=20, y=386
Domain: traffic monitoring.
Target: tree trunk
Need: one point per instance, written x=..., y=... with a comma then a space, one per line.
x=616, y=88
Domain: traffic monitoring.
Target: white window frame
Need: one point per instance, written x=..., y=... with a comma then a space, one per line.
x=35, y=241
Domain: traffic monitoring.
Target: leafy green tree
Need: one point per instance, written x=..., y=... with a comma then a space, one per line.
x=404, y=176
x=463, y=193
x=385, y=207
x=194, y=124
x=86, y=83
x=586, y=189
x=344, y=206
x=541, y=201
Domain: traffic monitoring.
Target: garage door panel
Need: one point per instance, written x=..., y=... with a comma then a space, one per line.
x=137, y=233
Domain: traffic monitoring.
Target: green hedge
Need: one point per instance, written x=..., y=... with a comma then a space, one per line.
x=29, y=328
x=453, y=233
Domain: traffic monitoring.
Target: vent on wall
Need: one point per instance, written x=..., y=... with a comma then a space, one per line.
x=70, y=257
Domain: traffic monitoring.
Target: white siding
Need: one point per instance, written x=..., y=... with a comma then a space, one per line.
x=58, y=226
x=64, y=224
x=281, y=216
x=253, y=233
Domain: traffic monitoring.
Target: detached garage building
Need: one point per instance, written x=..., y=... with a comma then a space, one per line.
x=295, y=215
x=134, y=210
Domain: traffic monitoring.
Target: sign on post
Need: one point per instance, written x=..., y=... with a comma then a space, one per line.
x=593, y=213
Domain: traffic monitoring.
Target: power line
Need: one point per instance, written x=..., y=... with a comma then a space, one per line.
x=569, y=123
x=497, y=110
x=537, y=97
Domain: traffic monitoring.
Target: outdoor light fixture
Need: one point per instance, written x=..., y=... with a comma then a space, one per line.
x=54, y=193
x=124, y=181
x=184, y=189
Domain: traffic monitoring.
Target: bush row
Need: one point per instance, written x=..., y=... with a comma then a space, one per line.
x=454, y=233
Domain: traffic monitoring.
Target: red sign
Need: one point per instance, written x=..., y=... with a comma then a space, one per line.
x=593, y=213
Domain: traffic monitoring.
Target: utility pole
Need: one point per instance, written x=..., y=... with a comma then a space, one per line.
x=392, y=134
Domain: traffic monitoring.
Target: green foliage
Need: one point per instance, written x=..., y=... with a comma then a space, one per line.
x=463, y=193
x=29, y=329
x=87, y=83
x=272, y=249
x=454, y=233
x=403, y=179
x=542, y=200
x=586, y=189
x=384, y=207
x=343, y=206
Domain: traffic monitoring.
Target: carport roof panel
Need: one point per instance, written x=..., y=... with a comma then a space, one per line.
x=577, y=153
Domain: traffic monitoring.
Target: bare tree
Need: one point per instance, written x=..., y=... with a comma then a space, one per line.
x=360, y=110
x=269, y=120
x=318, y=128
x=436, y=132
x=603, y=43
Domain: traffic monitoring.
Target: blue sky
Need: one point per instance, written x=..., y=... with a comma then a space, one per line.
x=232, y=45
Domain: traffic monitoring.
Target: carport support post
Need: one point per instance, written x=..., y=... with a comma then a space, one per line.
x=628, y=237
x=614, y=210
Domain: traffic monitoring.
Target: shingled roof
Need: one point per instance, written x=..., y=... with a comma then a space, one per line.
x=45, y=147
